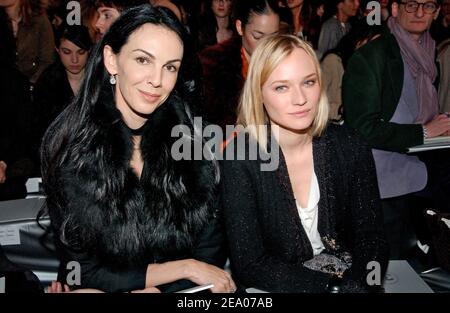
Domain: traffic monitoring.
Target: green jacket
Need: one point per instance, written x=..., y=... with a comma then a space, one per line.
x=371, y=89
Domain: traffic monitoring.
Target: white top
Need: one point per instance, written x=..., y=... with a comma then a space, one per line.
x=309, y=216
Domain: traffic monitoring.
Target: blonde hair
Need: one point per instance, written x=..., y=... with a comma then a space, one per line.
x=266, y=57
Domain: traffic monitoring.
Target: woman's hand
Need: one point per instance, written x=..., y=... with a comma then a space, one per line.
x=440, y=125
x=57, y=287
x=203, y=273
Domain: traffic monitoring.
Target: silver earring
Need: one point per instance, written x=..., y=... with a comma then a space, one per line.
x=112, y=79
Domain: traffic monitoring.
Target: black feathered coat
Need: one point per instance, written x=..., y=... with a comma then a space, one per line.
x=115, y=224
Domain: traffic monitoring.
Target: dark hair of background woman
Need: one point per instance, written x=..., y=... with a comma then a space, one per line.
x=244, y=9
x=77, y=34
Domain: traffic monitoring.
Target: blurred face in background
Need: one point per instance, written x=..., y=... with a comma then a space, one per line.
x=221, y=8
x=106, y=16
x=349, y=7
x=292, y=4
x=8, y=3
x=72, y=57
x=384, y=3
x=257, y=28
x=320, y=10
x=445, y=9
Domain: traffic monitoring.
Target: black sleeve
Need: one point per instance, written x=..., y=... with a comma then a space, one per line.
x=95, y=275
x=366, y=222
x=253, y=265
x=209, y=249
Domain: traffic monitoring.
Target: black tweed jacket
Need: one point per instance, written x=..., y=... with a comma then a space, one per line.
x=267, y=242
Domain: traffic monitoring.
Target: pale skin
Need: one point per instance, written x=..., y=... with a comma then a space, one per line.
x=291, y=95
x=417, y=23
x=74, y=60
x=146, y=71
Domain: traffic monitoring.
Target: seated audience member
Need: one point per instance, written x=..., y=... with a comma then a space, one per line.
x=225, y=64
x=58, y=84
x=306, y=18
x=389, y=96
x=215, y=23
x=335, y=61
x=34, y=36
x=109, y=10
x=15, y=108
x=314, y=223
x=337, y=25
x=120, y=205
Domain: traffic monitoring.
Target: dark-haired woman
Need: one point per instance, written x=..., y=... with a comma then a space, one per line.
x=59, y=83
x=215, y=23
x=122, y=206
x=225, y=64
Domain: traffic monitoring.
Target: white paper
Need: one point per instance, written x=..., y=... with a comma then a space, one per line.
x=2, y=285
x=446, y=221
x=196, y=289
x=440, y=142
x=9, y=235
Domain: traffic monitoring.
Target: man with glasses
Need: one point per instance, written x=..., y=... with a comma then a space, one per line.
x=390, y=98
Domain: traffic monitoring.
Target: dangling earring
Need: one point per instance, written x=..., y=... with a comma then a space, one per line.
x=112, y=79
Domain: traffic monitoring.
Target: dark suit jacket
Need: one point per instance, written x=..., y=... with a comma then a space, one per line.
x=268, y=244
x=371, y=89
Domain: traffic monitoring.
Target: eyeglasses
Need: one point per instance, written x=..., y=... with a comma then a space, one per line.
x=428, y=7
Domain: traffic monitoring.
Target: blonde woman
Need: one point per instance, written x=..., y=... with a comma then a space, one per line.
x=313, y=224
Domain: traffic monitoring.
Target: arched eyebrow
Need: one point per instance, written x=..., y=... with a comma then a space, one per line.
x=153, y=57
x=284, y=81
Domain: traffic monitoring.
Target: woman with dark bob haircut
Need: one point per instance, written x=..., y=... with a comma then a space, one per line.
x=121, y=206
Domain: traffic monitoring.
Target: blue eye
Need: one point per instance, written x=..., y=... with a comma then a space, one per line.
x=310, y=82
x=281, y=88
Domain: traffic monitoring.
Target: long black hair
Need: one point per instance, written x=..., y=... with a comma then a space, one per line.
x=77, y=34
x=69, y=135
x=208, y=25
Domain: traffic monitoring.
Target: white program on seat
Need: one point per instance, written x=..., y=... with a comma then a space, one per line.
x=34, y=189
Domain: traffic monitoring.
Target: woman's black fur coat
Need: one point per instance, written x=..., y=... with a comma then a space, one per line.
x=115, y=224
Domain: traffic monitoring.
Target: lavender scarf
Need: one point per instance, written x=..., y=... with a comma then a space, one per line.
x=420, y=60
